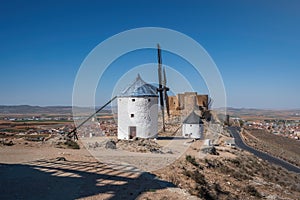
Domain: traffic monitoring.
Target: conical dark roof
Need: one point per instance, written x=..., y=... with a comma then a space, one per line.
x=139, y=88
x=193, y=118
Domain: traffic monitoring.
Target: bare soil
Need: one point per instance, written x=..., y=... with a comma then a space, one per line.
x=278, y=146
x=38, y=170
x=41, y=171
x=236, y=176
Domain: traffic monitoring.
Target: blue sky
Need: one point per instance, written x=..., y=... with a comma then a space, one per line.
x=255, y=44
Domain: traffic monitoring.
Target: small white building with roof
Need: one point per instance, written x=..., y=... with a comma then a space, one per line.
x=192, y=126
x=138, y=111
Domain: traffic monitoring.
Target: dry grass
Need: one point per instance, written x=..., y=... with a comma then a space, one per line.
x=242, y=177
x=282, y=147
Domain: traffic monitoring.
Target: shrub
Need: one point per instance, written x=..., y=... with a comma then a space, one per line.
x=204, y=193
x=225, y=169
x=236, y=162
x=199, y=178
x=196, y=176
x=240, y=175
x=295, y=187
x=72, y=144
x=173, y=178
x=209, y=163
x=219, y=190
x=192, y=160
x=252, y=191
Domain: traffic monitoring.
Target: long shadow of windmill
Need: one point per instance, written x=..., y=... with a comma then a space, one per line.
x=53, y=179
x=163, y=98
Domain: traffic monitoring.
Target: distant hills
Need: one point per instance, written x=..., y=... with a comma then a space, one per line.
x=67, y=110
x=26, y=109
x=263, y=113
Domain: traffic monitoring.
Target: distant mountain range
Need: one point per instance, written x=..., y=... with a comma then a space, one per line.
x=265, y=113
x=231, y=109
x=66, y=110
x=26, y=109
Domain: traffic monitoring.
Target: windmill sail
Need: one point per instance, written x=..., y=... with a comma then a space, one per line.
x=162, y=89
x=166, y=97
x=73, y=133
x=160, y=86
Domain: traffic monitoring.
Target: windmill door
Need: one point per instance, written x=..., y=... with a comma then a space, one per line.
x=132, y=132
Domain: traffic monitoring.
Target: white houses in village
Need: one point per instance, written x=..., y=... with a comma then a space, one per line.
x=192, y=126
x=138, y=111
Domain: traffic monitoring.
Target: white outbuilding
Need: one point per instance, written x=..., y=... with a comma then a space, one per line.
x=192, y=126
x=138, y=111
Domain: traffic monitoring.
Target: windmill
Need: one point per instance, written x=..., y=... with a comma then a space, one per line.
x=162, y=88
x=163, y=97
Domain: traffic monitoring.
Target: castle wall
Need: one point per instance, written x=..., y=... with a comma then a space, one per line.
x=180, y=98
x=202, y=100
x=187, y=102
x=173, y=103
x=190, y=101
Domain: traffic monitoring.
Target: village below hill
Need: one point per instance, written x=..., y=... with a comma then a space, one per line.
x=211, y=167
x=284, y=123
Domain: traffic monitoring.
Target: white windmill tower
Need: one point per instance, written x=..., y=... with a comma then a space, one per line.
x=192, y=126
x=138, y=111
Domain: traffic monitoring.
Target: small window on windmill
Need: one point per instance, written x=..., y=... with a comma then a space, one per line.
x=149, y=100
x=131, y=115
x=190, y=125
x=133, y=100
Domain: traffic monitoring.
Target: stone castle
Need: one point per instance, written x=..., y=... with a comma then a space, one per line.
x=187, y=102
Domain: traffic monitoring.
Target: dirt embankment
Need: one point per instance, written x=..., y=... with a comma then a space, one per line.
x=231, y=174
x=240, y=176
x=278, y=146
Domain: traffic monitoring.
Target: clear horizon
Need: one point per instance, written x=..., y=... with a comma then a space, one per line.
x=249, y=108
x=254, y=44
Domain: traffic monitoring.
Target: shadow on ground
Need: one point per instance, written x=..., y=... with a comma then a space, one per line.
x=171, y=138
x=53, y=179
